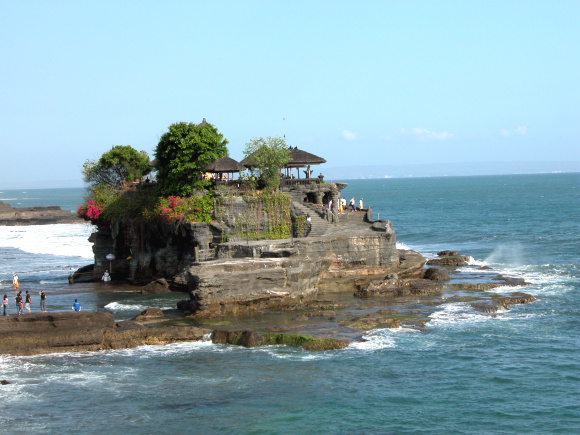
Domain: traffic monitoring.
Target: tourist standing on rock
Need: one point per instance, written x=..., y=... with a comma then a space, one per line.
x=27, y=301
x=360, y=205
x=77, y=305
x=18, y=300
x=106, y=277
x=15, y=281
x=42, y=301
x=5, y=304
x=352, y=204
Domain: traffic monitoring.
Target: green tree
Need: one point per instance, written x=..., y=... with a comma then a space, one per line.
x=122, y=163
x=266, y=157
x=182, y=155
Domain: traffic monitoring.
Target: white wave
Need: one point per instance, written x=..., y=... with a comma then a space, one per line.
x=56, y=239
x=457, y=313
x=119, y=306
x=401, y=245
x=375, y=340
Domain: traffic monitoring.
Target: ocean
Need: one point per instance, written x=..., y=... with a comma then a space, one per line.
x=466, y=373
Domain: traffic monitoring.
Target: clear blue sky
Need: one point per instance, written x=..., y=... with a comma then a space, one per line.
x=365, y=82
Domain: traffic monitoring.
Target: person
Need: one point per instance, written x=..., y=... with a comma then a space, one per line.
x=77, y=305
x=5, y=304
x=27, y=301
x=308, y=218
x=18, y=300
x=360, y=205
x=343, y=201
x=352, y=204
x=106, y=277
x=15, y=281
x=42, y=301
x=330, y=205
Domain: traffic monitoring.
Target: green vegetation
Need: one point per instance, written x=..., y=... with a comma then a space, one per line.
x=182, y=155
x=278, y=223
x=266, y=158
x=121, y=164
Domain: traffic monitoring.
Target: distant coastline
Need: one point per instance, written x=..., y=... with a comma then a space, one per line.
x=449, y=170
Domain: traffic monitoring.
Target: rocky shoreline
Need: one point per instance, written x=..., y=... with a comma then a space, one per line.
x=19, y=216
x=329, y=321
x=321, y=291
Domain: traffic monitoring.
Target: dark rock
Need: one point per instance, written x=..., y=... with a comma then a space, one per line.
x=400, y=287
x=148, y=314
x=500, y=302
x=472, y=286
x=448, y=261
x=83, y=274
x=448, y=254
x=156, y=287
x=511, y=281
x=4, y=382
x=254, y=339
x=435, y=274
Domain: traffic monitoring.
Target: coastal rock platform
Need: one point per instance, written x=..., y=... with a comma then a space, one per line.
x=15, y=216
x=31, y=334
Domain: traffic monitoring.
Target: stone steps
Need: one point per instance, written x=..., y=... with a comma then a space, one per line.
x=318, y=225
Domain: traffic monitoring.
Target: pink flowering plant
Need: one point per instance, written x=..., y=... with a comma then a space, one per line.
x=194, y=209
x=91, y=211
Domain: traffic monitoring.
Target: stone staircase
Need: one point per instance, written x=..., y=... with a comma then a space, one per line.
x=318, y=224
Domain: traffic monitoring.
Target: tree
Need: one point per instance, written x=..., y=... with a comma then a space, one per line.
x=182, y=155
x=267, y=157
x=122, y=163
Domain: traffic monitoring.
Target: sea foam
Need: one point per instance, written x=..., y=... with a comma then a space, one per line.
x=56, y=239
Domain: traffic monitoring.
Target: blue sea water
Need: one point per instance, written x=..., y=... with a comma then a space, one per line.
x=467, y=373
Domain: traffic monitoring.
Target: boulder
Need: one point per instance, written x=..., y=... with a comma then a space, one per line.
x=156, y=287
x=435, y=274
x=254, y=338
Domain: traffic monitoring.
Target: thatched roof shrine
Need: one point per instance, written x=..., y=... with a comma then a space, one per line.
x=300, y=158
x=225, y=165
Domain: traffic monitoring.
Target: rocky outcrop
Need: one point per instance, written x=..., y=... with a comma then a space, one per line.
x=13, y=216
x=435, y=274
x=501, y=302
x=33, y=334
x=394, y=287
x=448, y=259
x=254, y=339
x=228, y=286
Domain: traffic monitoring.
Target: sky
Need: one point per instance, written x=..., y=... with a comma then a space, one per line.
x=356, y=82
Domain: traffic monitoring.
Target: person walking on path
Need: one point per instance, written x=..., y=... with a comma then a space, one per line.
x=42, y=301
x=18, y=300
x=77, y=305
x=27, y=301
x=5, y=304
x=15, y=281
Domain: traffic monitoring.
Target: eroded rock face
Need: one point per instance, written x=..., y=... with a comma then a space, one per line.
x=229, y=287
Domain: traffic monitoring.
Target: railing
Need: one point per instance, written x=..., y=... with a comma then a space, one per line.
x=301, y=181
